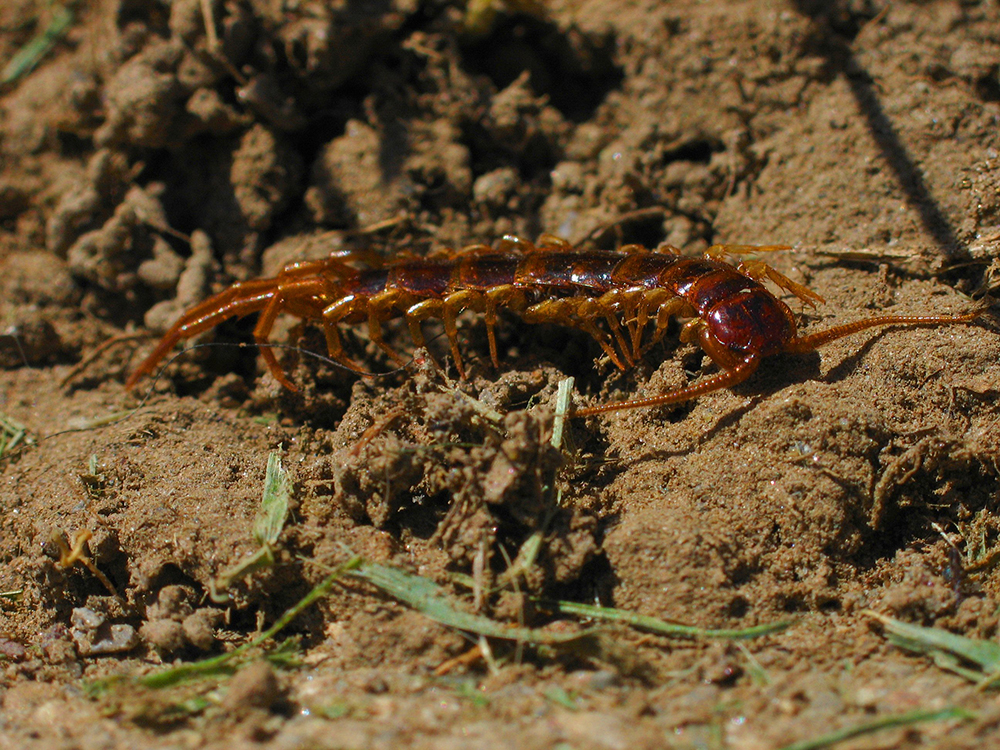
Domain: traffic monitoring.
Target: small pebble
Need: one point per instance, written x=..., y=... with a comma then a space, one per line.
x=114, y=639
x=94, y=636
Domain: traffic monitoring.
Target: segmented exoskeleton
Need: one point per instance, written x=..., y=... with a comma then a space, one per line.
x=612, y=295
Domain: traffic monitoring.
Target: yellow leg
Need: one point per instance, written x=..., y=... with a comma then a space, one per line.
x=379, y=309
x=332, y=316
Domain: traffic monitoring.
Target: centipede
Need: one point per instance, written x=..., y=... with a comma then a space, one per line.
x=624, y=299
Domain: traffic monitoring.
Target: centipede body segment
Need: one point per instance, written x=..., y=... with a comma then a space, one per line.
x=615, y=296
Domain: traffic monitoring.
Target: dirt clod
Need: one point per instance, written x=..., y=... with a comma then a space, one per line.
x=254, y=686
x=166, y=636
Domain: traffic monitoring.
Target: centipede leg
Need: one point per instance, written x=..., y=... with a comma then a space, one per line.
x=509, y=297
x=260, y=333
x=616, y=305
x=668, y=250
x=448, y=316
x=553, y=243
x=758, y=270
x=725, y=379
x=416, y=332
x=515, y=245
x=691, y=331
x=379, y=309
x=665, y=312
x=719, y=252
x=332, y=315
x=476, y=300
x=415, y=314
x=632, y=308
x=490, y=316
x=590, y=326
x=299, y=295
x=616, y=332
x=637, y=326
x=643, y=304
x=578, y=312
x=474, y=250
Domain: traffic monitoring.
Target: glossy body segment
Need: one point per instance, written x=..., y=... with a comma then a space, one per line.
x=615, y=296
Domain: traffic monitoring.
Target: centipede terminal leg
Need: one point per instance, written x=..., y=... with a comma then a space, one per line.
x=813, y=341
x=725, y=379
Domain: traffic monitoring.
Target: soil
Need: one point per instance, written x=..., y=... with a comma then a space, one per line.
x=155, y=156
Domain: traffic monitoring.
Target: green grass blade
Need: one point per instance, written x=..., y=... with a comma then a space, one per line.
x=274, y=502
x=560, y=697
x=661, y=627
x=428, y=598
x=942, y=644
x=11, y=434
x=267, y=528
x=886, y=722
x=27, y=58
x=564, y=395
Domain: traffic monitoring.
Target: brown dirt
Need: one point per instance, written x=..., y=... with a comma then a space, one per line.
x=145, y=168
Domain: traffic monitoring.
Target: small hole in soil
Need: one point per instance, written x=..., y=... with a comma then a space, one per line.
x=143, y=13
x=792, y=604
x=171, y=575
x=699, y=152
x=738, y=607
x=421, y=515
x=988, y=87
x=829, y=605
x=641, y=228
x=595, y=584
x=574, y=70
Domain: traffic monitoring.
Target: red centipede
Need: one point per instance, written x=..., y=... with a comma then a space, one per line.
x=615, y=296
